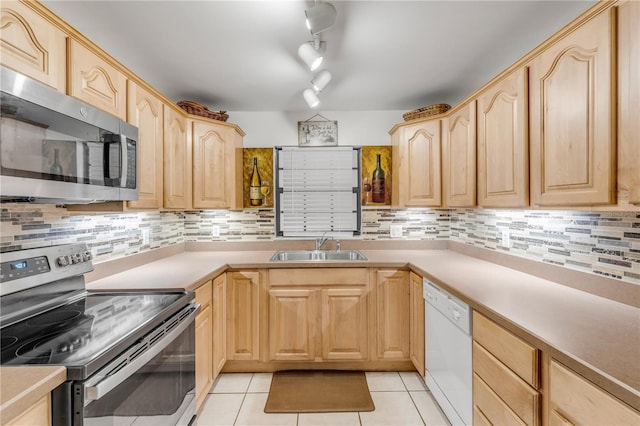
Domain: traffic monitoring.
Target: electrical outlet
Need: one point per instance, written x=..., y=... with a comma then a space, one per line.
x=395, y=231
x=506, y=240
x=145, y=237
x=215, y=231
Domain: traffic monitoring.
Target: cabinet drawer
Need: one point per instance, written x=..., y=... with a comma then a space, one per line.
x=495, y=411
x=518, y=395
x=203, y=295
x=318, y=277
x=581, y=403
x=512, y=351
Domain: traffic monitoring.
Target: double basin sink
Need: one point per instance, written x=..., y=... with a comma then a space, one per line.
x=317, y=255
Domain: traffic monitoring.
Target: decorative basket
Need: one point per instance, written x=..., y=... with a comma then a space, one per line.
x=195, y=108
x=427, y=111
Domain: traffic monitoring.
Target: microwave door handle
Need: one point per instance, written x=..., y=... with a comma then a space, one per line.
x=100, y=385
x=124, y=161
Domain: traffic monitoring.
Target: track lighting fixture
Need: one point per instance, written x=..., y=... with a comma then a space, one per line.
x=321, y=80
x=320, y=17
x=311, y=57
x=311, y=98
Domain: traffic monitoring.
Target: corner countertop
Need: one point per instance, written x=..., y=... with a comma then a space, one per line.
x=24, y=386
x=597, y=337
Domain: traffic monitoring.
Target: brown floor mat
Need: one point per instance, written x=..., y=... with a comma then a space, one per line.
x=318, y=392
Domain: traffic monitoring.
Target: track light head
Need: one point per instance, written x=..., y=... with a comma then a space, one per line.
x=311, y=98
x=321, y=80
x=310, y=56
x=320, y=17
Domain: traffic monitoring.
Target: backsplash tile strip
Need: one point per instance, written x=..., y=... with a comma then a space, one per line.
x=601, y=243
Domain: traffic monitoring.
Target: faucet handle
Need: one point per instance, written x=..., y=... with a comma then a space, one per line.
x=337, y=245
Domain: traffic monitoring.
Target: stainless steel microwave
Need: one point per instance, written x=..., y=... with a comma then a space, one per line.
x=57, y=149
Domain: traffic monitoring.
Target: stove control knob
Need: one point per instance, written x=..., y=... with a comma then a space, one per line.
x=63, y=260
x=86, y=256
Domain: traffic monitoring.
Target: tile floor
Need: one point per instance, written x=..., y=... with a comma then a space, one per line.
x=400, y=398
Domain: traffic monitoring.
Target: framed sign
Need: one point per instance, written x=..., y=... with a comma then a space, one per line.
x=317, y=132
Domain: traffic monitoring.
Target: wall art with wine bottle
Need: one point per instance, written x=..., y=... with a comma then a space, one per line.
x=257, y=177
x=376, y=175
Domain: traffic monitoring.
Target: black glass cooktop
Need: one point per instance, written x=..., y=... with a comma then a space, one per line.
x=78, y=334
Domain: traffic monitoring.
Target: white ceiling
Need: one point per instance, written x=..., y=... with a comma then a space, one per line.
x=383, y=55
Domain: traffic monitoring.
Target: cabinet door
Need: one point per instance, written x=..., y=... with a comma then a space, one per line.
x=392, y=293
x=576, y=401
x=459, y=142
x=217, y=166
x=416, y=322
x=204, y=365
x=344, y=324
x=38, y=414
x=96, y=82
x=31, y=45
x=503, y=143
x=629, y=93
x=146, y=113
x=177, y=160
x=243, y=315
x=417, y=148
x=572, y=108
x=219, y=305
x=292, y=324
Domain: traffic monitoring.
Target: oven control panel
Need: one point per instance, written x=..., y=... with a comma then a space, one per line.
x=24, y=268
x=73, y=258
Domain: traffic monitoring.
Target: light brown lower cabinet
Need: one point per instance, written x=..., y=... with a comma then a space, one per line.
x=243, y=315
x=506, y=371
x=219, y=305
x=416, y=322
x=392, y=293
x=573, y=400
x=38, y=414
x=317, y=315
x=204, y=334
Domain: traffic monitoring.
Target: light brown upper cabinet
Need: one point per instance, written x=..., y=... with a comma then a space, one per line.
x=503, y=143
x=31, y=45
x=95, y=81
x=146, y=113
x=217, y=165
x=416, y=165
x=177, y=160
x=572, y=118
x=459, y=142
x=629, y=101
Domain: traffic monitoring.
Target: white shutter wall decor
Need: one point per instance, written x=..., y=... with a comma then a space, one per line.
x=317, y=191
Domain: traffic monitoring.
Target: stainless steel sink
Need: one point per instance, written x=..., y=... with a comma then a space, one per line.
x=316, y=255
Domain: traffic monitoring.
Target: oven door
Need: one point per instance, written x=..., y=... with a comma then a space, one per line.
x=152, y=382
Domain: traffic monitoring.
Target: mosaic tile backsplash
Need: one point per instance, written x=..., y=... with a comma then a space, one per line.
x=603, y=243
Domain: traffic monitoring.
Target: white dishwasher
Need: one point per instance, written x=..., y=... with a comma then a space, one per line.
x=448, y=356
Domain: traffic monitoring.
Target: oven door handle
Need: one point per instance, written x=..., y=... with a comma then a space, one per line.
x=101, y=384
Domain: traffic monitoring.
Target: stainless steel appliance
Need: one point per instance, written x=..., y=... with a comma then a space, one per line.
x=130, y=356
x=56, y=149
x=448, y=353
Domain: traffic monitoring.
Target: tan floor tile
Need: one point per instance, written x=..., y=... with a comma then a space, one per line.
x=328, y=419
x=429, y=409
x=392, y=408
x=252, y=413
x=260, y=382
x=220, y=409
x=413, y=381
x=232, y=383
x=384, y=381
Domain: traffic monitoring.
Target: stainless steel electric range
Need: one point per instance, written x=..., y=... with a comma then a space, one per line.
x=130, y=356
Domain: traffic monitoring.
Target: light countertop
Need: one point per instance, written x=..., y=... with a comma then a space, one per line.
x=597, y=337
